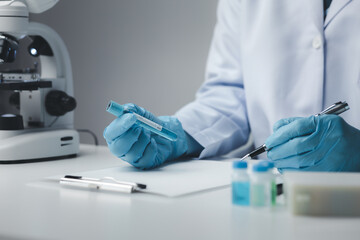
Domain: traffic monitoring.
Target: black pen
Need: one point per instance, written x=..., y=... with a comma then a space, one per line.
x=336, y=108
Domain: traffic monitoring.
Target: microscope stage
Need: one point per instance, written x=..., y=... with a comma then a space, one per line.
x=25, y=86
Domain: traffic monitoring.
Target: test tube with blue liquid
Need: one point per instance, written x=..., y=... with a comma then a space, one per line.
x=118, y=110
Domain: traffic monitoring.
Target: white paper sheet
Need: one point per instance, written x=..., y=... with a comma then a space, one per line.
x=172, y=180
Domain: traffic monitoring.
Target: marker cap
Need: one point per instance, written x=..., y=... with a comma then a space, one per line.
x=260, y=167
x=240, y=164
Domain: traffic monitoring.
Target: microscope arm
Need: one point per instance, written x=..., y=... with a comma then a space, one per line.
x=39, y=6
x=60, y=64
x=57, y=69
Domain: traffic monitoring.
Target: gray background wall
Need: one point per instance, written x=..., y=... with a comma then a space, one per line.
x=150, y=52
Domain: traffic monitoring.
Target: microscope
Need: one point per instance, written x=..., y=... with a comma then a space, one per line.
x=42, y=127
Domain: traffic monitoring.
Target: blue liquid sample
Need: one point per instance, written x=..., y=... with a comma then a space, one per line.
x=241, y=193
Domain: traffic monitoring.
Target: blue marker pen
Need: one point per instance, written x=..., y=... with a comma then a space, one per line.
x=117, y=110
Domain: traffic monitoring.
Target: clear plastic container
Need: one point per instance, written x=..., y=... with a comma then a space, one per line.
x=240, y=184
x=273, y=183
x=262, y=185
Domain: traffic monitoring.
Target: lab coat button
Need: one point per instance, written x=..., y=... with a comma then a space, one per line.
x=316, y=42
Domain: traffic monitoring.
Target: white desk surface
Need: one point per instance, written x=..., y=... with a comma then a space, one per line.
x=30, y=210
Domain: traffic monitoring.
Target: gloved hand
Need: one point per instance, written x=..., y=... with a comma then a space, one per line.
x=140, y=147
x=316, y=143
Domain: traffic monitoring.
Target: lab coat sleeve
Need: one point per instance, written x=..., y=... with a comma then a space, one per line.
x=217, y=119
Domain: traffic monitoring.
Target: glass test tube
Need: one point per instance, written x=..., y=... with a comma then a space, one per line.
x=117, y=110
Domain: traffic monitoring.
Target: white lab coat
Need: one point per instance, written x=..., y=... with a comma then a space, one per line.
x=272, y=59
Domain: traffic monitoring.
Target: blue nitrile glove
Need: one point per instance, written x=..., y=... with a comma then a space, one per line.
x=140, y=147
x=316, y=143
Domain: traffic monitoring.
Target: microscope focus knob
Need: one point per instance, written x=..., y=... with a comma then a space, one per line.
x=11, y=122
x=57, y=103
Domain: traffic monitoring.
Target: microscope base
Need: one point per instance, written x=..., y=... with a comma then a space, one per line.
x=22, y=146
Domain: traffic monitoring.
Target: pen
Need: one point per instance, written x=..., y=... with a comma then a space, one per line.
x=106, y=183
x=337, y=108
x=117, y=110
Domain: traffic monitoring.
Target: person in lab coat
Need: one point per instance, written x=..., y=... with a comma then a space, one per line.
x=272, y=65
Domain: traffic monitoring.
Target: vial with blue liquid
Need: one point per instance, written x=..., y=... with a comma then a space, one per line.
x=240, y=184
